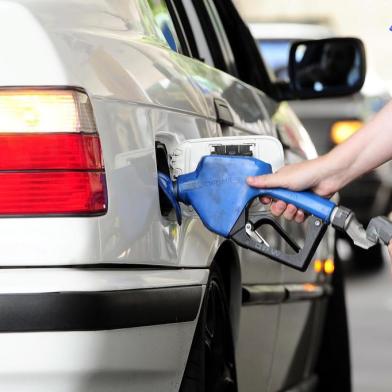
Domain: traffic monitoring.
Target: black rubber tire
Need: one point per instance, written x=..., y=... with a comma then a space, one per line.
x=211, y=361
x=334, y=364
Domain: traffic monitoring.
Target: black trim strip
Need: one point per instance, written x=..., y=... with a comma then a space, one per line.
x=98, y=310
x=263, y=294
x=280, y=293
x=304, y=292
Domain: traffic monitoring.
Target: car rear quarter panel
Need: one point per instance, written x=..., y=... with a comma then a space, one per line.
x=138, y=88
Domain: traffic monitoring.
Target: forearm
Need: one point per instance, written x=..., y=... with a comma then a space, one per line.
x=365, y=150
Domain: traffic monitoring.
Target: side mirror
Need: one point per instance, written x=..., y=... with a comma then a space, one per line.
x=326, y=68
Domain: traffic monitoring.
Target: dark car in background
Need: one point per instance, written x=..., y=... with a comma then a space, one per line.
x=330, y=121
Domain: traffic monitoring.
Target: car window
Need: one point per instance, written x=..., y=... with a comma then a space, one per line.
x=220, y=32
x=249, y=63
x=208, y=35
x=165, y=23
x=276, y=54
x=195, y=32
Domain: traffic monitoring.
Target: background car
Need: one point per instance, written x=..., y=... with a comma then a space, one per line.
x=102, y=288
x=331, y=121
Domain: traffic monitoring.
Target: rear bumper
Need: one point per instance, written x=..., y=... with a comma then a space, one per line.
x=97, y=330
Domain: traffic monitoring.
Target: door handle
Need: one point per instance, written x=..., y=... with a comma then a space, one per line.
x=223, y=113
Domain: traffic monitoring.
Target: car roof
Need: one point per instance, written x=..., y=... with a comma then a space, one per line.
x=291, y=31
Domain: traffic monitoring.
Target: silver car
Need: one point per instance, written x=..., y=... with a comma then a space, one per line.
x=101, y=288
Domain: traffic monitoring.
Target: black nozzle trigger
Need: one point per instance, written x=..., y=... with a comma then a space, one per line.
x=300, y=259
x=263, y=218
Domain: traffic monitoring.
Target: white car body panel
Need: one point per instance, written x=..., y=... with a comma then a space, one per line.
x=30, y=44
x=141, y=358
x=137, y=359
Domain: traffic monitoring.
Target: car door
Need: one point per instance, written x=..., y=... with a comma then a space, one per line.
x=261, y=278
x=301, y=313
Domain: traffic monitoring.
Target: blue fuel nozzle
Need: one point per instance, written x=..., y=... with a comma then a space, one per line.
x=218, y=191
x=220, y=195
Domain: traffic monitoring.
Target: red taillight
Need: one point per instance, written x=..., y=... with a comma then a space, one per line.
x=44, y=172
x=52, y=193
x=50, y=151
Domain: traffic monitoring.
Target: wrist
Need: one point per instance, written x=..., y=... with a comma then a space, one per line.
x=333, y=174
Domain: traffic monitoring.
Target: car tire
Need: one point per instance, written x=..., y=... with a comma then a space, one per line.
x=211, y=361
x=334, y=364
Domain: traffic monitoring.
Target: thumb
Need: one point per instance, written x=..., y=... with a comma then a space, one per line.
x=265, y=181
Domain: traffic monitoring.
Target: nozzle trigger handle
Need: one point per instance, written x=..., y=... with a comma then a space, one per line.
x=305, y=200
x=300, y=259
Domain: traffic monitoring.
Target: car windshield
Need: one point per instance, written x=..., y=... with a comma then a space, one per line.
x=276, y=54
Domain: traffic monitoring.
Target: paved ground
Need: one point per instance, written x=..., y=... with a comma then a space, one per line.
x=369, y=298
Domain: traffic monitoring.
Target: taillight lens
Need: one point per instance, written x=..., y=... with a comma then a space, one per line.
x=51, y=151
x=50, y=154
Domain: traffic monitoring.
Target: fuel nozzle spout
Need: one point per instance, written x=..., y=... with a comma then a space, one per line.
x=344, y=220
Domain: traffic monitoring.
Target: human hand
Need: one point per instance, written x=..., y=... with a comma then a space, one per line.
x=319, y=175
